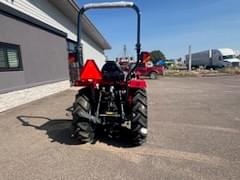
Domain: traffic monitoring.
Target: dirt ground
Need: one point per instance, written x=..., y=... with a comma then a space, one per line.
x=194, y=133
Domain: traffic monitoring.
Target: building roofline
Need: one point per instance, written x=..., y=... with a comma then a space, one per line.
x=95, y=33
x=9, y=11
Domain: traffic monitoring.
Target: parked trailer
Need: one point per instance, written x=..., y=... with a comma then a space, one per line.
x=215, y=58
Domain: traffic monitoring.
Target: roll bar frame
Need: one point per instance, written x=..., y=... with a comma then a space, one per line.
x=107, y=5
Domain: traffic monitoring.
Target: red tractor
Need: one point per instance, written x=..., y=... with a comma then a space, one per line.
x=109, y=98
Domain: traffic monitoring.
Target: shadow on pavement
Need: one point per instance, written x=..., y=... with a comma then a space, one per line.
x=59, y=130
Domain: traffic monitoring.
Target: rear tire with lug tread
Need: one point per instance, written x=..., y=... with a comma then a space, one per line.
x=139, y=122
x=83, y=129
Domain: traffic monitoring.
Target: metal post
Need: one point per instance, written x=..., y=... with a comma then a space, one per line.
x=190, y=58
x=79, y=46
x=125, y=51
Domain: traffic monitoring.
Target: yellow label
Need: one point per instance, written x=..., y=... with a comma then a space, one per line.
x=110, y=113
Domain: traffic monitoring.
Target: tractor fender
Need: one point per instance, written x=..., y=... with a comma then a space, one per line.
x=137, y=83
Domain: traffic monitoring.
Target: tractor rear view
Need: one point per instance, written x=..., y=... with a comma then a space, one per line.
x=108, y=99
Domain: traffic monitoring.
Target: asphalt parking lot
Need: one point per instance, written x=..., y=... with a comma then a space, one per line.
x=194, y=133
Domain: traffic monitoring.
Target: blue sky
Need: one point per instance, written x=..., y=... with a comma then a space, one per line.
x=171, y=25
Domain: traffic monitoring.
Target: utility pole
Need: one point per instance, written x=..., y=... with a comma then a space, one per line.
x=125, y=51
x=190, y=58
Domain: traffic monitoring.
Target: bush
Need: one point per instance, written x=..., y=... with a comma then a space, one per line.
x=178, y=73
x=230, y=70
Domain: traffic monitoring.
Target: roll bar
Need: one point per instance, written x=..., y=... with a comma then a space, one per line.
x=107, y=5
x=121, y=4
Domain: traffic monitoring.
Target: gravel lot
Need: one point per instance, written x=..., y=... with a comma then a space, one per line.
x=194, y=133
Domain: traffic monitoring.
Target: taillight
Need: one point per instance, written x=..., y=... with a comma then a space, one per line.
x=72, y=58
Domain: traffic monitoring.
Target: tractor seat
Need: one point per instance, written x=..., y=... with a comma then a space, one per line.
x=112, y=72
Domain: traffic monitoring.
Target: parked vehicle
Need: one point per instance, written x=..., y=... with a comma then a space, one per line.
x=215, y=58
x=150, y=71
x=161, y=63
x=124, y=65
x=165, y=63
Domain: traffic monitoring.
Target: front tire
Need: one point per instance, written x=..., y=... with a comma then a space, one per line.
x=83, y=129
x=139, y=122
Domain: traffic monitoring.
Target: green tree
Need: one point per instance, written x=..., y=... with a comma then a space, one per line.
x=157, y=55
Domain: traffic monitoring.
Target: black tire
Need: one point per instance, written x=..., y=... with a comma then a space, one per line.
x=83, y=129
x=139, y=122
x=153, y=75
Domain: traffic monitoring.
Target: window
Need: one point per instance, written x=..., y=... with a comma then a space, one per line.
x=10, y=57
x=228, y=57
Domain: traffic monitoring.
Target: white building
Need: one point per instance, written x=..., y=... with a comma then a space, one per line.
x=35, y=38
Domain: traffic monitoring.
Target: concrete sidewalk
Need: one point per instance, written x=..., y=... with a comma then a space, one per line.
x=17, y=98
